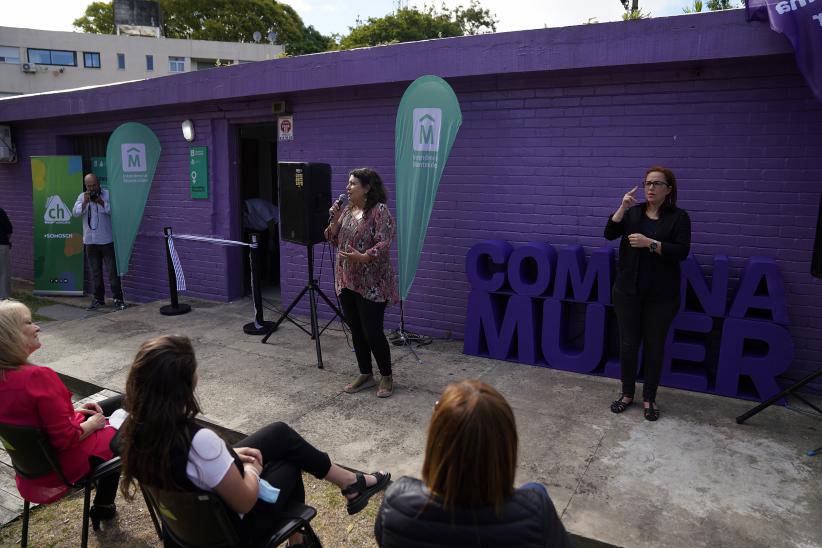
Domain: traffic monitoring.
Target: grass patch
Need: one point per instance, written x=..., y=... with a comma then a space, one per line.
x=34, y=303
x=58, y=524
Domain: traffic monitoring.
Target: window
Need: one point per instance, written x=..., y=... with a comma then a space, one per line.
x=176, y=64
x=9, y=54
x=121, y=61
x=149, y=62
x=53, y=57
x=91, y=59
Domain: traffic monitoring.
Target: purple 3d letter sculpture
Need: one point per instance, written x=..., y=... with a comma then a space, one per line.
x=542, y=306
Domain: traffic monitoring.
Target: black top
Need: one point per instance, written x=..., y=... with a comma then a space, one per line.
x=411, y=517
x=661, y=271
x=5, y=228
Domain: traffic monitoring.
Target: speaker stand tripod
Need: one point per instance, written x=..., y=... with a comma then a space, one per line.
x=313, y=289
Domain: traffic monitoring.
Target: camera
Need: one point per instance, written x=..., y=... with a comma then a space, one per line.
x=93, y=195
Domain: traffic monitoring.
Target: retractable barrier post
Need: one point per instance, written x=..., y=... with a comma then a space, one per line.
x=175, y=308
x=259, y=326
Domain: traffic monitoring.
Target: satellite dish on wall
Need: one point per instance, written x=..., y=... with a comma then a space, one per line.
x=272, y=37
x=257, y=36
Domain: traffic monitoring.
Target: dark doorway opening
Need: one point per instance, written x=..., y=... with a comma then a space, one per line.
x=259, y=200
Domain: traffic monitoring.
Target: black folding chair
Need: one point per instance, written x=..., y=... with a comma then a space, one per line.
x=32, y=457
x=199, y=519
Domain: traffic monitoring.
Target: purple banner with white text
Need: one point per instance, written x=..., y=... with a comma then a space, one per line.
x=801, y=22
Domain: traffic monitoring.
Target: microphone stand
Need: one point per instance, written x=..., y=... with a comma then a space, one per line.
x=403, y=334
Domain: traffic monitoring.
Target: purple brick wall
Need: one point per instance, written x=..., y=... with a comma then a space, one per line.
x=544, y=153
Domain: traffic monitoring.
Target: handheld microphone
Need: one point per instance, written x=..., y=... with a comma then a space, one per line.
x=340, y=201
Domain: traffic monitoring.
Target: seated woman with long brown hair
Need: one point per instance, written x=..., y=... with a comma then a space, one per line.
x=467, y=495
x=163, y=447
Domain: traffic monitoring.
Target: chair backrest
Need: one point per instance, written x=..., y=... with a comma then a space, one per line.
x=194, y=518
x=31, y=453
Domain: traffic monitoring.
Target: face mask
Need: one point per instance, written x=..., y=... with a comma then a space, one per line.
x=268, y=492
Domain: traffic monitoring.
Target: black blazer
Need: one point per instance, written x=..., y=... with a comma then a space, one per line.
x=673, y=230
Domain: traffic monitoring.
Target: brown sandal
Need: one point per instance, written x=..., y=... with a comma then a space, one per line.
x=386, y=387
x=360, y=383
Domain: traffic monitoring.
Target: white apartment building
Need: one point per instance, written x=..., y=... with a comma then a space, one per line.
x=35, y=61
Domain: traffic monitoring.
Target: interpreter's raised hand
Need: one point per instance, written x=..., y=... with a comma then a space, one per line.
x=628, y=199
x=355, y=256
x=639, y=240
x=250, y=455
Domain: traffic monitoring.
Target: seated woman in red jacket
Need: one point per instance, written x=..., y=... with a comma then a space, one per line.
x=467, y=496
x=31, y=395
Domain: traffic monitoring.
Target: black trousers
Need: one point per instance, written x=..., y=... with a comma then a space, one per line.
x=96, y=255
x=106, y=490
x=642, y=321
x=285, y=455
x=365, y=318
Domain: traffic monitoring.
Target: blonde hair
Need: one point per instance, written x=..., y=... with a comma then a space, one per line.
x=13, y=349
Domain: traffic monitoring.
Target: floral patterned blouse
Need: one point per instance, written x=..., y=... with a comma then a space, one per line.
x=372, y=234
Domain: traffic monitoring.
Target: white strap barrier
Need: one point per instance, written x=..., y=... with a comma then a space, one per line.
x=175, y=259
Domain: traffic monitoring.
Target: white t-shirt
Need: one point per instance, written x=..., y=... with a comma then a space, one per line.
x=208, y=460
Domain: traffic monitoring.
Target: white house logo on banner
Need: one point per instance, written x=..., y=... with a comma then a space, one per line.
x=56, y=212
x=427, y=123
x=134, y=157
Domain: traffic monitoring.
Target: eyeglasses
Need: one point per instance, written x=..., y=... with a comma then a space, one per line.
x=655, y=184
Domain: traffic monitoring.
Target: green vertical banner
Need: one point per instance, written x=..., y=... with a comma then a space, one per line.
x=131, y=160
x=428, y=119
x=58, y=237
x=198, y=172
x=98, y=167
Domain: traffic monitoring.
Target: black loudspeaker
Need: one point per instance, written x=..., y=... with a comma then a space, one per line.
x=305, y=196
x=816, y=262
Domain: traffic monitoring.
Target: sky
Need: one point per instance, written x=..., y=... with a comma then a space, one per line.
x=334, y=16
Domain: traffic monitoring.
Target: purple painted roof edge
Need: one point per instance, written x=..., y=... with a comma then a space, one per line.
x=698, y=37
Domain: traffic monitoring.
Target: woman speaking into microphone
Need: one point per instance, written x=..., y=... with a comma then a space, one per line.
x=363, y=279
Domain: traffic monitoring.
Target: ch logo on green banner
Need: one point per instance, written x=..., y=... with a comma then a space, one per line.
x=58, y=237
x=428, y=120
x=131, y=160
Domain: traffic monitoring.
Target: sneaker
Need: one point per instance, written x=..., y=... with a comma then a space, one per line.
x=95, y=304
x=119, y=305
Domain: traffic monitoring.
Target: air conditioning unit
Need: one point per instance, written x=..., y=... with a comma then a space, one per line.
x=28, y=67
x=8, y=155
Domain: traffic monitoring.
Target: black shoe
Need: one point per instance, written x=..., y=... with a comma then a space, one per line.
x=619, y=405
x=651, y=412
x=119, y=305
x=101, y=512
x=95, y=304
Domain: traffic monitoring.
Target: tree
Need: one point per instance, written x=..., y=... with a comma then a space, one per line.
x=718, y=5
x=223, y=20
x=99, y=19
x=633, y=12
x=312, y=42
x=410, y=24
x=696, y=8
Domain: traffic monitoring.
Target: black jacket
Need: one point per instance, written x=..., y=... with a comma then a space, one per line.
x=673, y=230
x=410, y=517
x=5, y=228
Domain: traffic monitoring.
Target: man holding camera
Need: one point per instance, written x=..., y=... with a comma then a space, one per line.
x=94, y=207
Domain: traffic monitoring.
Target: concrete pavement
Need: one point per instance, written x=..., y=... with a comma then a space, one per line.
x=695, y=478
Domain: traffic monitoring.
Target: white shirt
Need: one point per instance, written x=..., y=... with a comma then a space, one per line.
x=208, y=460
x=96, y=219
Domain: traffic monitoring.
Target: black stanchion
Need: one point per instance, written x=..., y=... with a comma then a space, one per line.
x=175, y=308
x=259, y=326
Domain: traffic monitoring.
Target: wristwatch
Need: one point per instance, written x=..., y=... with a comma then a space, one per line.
x=653, y=246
